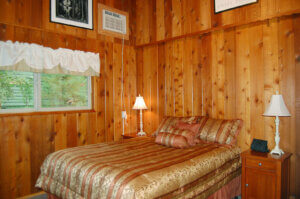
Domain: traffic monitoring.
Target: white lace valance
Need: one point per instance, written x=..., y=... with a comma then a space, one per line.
x=36, y=58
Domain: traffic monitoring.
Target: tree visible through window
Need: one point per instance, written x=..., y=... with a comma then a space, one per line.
x=25, y=91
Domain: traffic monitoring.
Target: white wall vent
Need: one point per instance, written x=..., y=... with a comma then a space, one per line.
x=114, y=22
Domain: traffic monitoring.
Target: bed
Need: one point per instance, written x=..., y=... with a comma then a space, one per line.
x=139, y=168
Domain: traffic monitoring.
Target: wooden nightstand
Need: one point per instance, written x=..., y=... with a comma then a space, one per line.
x=264, y=176
x=129, y=136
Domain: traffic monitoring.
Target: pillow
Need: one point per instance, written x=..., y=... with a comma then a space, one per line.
x=219, y=130
x=189, y=135
x=186, y=126
x=171, y=140
x=167, y=124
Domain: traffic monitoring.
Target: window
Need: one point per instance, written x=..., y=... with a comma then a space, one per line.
x=28, y=92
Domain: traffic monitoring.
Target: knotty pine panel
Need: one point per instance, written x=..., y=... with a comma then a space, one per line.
x=229, y=73
x=27, y=139
x=161, y=20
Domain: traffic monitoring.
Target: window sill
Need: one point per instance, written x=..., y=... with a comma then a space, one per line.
x=46, y=113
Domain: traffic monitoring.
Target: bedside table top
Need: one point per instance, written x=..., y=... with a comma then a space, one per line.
x=260, y=155
x=131, y=135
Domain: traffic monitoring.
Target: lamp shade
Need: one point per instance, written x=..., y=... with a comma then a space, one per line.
x=139, y=103
x=277, y=107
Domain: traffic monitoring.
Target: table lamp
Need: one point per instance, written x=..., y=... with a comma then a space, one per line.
x=278, y=109
x=140, y=105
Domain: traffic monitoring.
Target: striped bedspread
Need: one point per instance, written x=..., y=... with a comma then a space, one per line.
x=137, y=168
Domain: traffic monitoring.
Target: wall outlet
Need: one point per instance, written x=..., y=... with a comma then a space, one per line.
x=124, y=115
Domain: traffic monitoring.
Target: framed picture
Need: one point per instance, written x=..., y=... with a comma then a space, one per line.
x=77, y=13
x=224, y=5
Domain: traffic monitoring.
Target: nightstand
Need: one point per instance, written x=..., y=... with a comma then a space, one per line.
x=131, y=135
x=265, y=175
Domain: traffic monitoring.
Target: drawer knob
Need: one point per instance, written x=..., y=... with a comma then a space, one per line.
x=247, y=185
x=259, y=164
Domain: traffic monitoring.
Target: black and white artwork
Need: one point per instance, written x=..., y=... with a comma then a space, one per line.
x=72, y=12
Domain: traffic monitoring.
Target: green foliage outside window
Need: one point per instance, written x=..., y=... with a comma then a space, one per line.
x=56, y=90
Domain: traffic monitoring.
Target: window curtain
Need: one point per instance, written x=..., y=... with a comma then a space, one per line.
x=39, y=59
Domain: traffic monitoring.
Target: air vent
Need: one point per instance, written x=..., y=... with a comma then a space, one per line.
x=114, y=22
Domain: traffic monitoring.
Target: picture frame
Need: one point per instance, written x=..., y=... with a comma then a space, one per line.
x=77, y=13
x=225, y=5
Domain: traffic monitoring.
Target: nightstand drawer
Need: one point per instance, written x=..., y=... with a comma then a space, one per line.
x=261, y=164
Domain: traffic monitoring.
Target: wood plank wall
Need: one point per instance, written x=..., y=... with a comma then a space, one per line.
x=159, y=20
x=25, y=140
x=191, y=61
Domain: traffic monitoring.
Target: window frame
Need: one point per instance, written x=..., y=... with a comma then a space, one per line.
x=37, y=101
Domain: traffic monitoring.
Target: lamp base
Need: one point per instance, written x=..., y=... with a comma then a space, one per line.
x=141, y=133
x=277, y=151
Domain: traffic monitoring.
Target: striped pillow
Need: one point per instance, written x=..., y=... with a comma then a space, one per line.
x=171, y=140
x=186, y=126
x=219, y=131
x=189, y=135
x=169, y=122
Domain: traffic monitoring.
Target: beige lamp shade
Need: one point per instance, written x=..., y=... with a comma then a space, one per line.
x=139, y=103
x=277, y=107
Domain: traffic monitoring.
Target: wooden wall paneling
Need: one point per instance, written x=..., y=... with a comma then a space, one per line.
x=197, y=98
x=72, y=135
x=154, y=104
x=204, y=15
x=296, y=22
x=168, y=17
x=182, y=18
x=28, y=13
x=100, y=97
x=176, y=18
x=6, y=32
x=25, y=35
x=178, y=76
x=186, y=10
x=139, y=67
x=8, y=158
x=230, y=75
x=187, y=76
x=8, y=11
x=170, y=105
x=218, y=75
x=161, y=73
x=109, y=94
x=152, y=21
x=194, y=16
x=82, y=119
x=139, y=22
x=150, y=118
x=98, y=120
x=287, y=88
x=271, y=73
x=160, y=22
x=206, y=74
x=42, y=143
x=242, y=89
x=131, y=90
x=256, y=81
x=60, y=129
x=117, y=70
x=126, y=85
x=23, y=170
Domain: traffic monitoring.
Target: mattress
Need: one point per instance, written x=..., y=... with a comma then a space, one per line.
x=139, y=168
